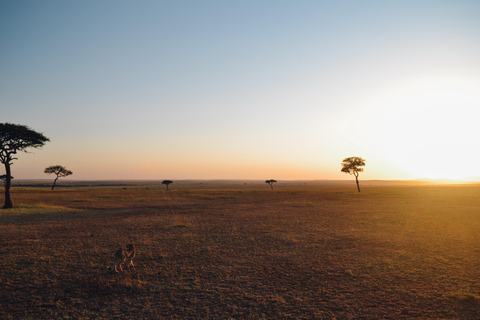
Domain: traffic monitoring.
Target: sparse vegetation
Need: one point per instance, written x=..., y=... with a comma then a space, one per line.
x=353, y=165
x=167, y=183
x=400, y=252
x=59, y=171
x=271, y=182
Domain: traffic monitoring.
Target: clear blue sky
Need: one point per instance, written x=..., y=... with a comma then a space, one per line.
x=244, y=89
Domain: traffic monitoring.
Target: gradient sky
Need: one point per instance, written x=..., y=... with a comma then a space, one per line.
x=244, y=89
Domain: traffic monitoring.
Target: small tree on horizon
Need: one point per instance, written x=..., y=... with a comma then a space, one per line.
x=15, y=138
x=59, y=171
x=167, y=182
x=271, y=182
x=353, y=166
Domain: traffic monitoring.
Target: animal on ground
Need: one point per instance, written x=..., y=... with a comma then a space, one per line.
x=121, y=257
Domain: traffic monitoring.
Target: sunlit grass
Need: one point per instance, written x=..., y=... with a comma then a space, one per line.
x=23, y=209
x=403, y=252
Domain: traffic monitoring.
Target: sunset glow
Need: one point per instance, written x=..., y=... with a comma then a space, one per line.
x=222, y=90
x=431, y=129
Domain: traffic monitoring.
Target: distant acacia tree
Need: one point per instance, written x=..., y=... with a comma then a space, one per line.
x=15, y=138
x=167, y=182
x=271, y=182
x=353, y=166
x=59, y=171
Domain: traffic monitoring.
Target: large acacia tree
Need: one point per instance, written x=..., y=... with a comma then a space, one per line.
x=59, y=171
x=16, y=138
x=353, y=166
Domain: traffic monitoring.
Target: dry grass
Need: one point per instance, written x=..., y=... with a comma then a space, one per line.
x=389, y=252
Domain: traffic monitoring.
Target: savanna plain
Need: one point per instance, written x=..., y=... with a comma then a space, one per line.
x=393, y=251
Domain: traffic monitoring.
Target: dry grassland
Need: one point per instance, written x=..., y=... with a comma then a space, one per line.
x=397, y=252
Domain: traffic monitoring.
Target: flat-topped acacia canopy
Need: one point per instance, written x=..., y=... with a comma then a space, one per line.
x=15, y=138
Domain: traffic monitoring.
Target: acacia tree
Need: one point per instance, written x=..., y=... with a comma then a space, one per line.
x=271, y=182
x=15, y=138
x=353, y=166
x=59, y=171
x=167, y=182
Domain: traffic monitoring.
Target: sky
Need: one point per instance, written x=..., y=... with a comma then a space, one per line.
x=248, y=89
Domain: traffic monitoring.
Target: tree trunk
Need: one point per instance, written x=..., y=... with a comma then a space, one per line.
x=358, y=185
x=54, y=181
x=8, y=182
x=167, y=186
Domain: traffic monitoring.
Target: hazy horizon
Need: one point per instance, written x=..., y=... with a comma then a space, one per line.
x=68, y=180
x=213, y=90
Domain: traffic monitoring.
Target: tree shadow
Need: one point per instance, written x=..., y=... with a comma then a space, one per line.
x=467, y=306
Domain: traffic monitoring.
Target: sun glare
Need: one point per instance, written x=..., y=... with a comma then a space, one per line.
x=431, y=131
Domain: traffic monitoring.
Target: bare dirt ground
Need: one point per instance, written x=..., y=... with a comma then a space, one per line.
x=390, y=252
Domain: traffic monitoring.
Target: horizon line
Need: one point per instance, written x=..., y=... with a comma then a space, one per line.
x=256, y=179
